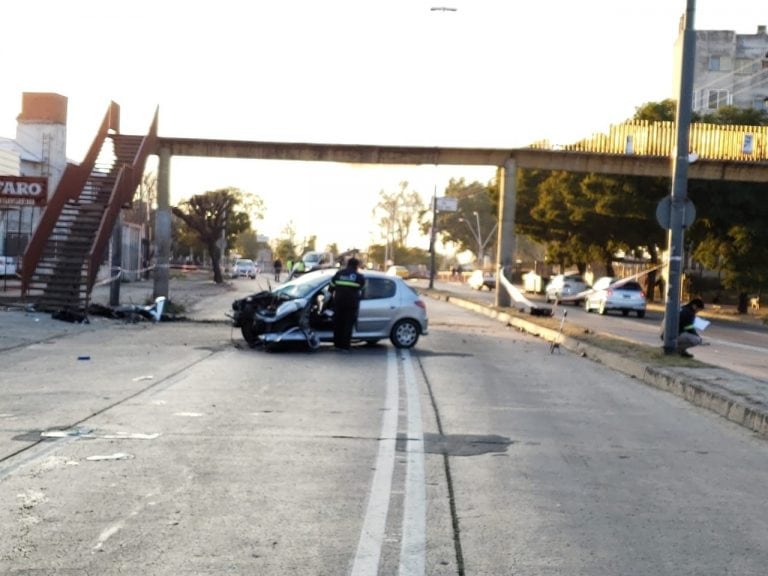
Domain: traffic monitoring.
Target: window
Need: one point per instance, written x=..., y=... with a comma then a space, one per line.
x=745, y=66
x=717, y=98
x=376, y=288
x=720, y=64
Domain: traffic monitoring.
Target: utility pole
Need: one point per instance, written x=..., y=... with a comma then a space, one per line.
x=679, y=185
x=432, y=234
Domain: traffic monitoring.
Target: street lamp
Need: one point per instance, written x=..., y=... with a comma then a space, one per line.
x=433, y=231
x=479, y=239
x=476, y=232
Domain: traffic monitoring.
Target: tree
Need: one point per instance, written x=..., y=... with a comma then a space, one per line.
x=737, y=116
x=729, y=234
x=247, y=243
x=286, y=248
x=398, y=212
x=664, y=111
x=216, y=217
x=461, y=227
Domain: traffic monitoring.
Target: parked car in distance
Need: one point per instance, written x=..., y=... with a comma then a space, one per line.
x=244, y=268
x=401, y=271
x=418, y=271
x=610, y=293
x=389, y=308
x=480, y=279
x=565, y=288
x=315, y=259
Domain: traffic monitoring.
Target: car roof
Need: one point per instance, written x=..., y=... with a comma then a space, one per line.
x=366, y=273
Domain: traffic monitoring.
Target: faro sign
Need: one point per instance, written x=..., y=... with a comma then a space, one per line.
x=23, y=191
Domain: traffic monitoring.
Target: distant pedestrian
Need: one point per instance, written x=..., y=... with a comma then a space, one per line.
x=278, y=267
x=347, y=287
x=297, y=270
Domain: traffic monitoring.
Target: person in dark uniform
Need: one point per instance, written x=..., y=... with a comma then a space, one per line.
x=688, y=336
x=347, y=287
x=278, y=267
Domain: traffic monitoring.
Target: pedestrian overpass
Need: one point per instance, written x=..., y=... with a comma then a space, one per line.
x=61, y=262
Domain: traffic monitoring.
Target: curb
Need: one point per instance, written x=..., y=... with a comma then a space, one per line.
x=737, y=407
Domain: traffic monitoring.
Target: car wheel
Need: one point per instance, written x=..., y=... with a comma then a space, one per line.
x=248, y=335
x=625, y=312
x=404, y=334
x=641, y=313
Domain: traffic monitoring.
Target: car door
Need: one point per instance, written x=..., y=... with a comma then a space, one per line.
x=377, y=307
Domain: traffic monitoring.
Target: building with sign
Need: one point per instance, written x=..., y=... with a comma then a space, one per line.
x=31, y=166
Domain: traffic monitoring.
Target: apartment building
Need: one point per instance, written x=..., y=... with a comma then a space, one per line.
x=730, y=69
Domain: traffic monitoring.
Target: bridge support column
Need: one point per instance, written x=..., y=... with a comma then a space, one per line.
x=163, y=225
x=505, y=251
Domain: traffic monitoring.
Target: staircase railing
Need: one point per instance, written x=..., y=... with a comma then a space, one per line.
x=71, y=184
x=125, y=186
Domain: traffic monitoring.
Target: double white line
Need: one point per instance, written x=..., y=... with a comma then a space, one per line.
x=413, y=543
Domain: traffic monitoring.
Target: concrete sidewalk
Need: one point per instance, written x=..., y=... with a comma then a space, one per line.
x=200, y=298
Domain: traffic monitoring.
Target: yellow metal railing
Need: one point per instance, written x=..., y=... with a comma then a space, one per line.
x=643, y=138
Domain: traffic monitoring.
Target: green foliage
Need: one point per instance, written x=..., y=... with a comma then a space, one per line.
x=729, y=234
x=403, y=255
x=475, y=202
x=398, y=212
x=664, y=111
x=737, y=116
x=585, y=218
x=247, y=244
x=210, y=215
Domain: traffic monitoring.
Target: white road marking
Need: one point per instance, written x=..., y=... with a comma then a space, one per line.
x=414, y=540
x=372, y=536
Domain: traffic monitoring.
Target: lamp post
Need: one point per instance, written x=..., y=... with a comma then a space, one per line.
x=433, y=231
x=478, y=235
x=479, y=239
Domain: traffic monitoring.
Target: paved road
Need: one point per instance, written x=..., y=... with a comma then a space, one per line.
x=176, y=449
x=740, y=346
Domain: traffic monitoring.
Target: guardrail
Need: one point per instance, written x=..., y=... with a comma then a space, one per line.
x=643, y=138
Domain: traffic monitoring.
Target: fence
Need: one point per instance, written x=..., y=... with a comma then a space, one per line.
x=708, y=141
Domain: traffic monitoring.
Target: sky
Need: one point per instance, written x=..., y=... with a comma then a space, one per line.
x=491, y=73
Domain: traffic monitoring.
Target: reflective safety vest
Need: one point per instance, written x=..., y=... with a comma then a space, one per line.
x=348, y=280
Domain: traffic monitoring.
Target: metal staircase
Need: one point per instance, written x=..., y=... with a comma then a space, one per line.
x=61, y=263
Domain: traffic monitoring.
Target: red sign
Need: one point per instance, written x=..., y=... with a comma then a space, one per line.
x=23, y=190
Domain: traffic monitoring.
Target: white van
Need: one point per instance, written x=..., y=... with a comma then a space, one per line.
x=314, y=260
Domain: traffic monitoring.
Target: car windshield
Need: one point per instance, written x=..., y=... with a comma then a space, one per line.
x=302, y=286
x=244, y=263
